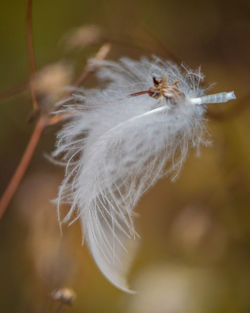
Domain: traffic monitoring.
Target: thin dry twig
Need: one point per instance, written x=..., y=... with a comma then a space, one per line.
x=31, y=57
x=89, y=69
x=12, y=91
x=91, y=66
x=40, y=124
x=43, y=120
x=22, y=167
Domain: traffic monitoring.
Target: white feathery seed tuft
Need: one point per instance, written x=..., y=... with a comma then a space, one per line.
x=122, y=140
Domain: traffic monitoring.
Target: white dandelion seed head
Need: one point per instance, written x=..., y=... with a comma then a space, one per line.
x=118, y=146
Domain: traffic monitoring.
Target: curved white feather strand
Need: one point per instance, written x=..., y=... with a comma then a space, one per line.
x=120, y=147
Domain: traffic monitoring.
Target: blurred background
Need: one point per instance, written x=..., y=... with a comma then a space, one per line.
x=195, y=247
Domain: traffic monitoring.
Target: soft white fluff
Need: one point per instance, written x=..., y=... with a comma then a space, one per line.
x=118, y=146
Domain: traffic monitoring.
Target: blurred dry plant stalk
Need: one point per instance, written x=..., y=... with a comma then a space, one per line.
x=64, y=295
x=82, y=37
x=49, y=254
x=51, y=80
x=45, y=88
x=48, y=251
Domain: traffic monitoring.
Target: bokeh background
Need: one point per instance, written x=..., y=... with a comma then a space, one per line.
x=195, y=249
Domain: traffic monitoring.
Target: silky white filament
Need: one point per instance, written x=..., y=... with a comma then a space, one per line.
x=125, y=137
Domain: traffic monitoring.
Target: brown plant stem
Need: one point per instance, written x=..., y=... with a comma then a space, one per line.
x=91, y=66
x=41, y=123
x=139, y=93
x=12, y=91
x=31, y=56
x=43, y=120
x=23, y=165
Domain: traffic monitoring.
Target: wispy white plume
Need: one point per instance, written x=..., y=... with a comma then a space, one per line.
x=124, y=138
